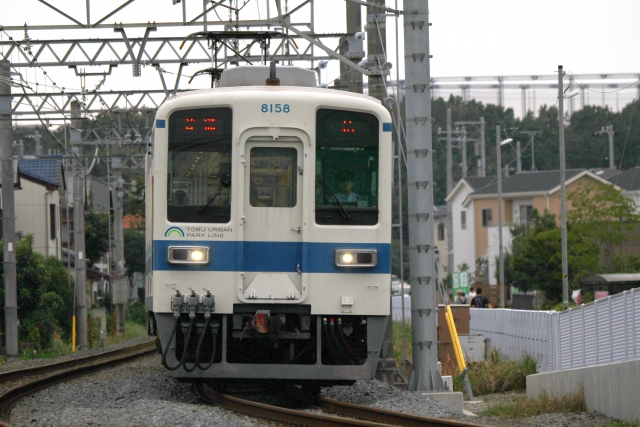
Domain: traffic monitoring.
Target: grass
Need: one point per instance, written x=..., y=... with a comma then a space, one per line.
x=623, y=424
x=497, y=375
x=523, y=407
x=61, y=348
x=397, y=342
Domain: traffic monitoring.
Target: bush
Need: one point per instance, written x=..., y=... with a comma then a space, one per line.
x=498, y=375
x=523, y=407
x=136, y=313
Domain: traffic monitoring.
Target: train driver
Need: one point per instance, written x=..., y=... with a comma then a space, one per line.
x=345, y=185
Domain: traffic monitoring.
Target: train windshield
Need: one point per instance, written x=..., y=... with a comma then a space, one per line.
x=347, y=146
x=199, y=166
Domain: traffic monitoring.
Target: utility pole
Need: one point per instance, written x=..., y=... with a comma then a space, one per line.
x=376, y=46
x=78, y=218
x=425, y=376
x=8, y=216
x=483, y=159
x=462, y=138
x=450, y=246
x=352, y=49
x=519, y=159
x=610, y=132
x=120, y=286
x=532, y=134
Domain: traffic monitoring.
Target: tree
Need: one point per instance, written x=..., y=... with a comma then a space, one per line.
x=134, y=250
x=536, y=260
x=96, y=237
x=45, y=295
x=602, y=213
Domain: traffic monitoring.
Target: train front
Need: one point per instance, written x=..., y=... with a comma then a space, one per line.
x=268, y=234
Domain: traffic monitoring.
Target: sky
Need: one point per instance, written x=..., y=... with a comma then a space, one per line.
x=467, y=37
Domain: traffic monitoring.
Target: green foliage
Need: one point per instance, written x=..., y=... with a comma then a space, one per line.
x=603, y=214
x=497, y=375
x=45, y=296
x=535, y=259
x=134, y=251
x=136, y=313
x=96, y=237
x=523, y=407
x=134, y=330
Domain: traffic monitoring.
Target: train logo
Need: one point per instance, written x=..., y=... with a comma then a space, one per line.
x=174, y=231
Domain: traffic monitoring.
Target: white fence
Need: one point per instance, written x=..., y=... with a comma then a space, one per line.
x=600, y=332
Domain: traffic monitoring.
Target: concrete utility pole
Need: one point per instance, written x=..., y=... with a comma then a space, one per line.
x=610, y=132
x=532, y=134
x=462, y=138
x=425, y=374
x=352, y=49
x=483, y=159
x=120, y=286
x=8, y=217
x=450, y=245
x=376, y=47
x=78, y=218
x=563, y=194
x=519, y=159
x=500, y=250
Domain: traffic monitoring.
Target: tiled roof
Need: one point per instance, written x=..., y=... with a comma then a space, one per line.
x=477, y=183
x=47, y=169
x=628, y=180
x=528, y=182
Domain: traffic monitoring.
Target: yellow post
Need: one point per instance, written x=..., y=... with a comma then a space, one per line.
x=73, y=334
x=454, y=337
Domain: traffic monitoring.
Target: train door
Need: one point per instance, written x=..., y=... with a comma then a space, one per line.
x=272, y=244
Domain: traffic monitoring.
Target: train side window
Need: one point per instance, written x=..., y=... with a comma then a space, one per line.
x=199, y=166
x=347, y=147
x=273, y=180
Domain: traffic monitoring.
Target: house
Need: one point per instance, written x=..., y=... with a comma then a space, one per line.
x=475, y=211
x=40, y=201
x=462, y=221
x=629, y=181
x=440, y=240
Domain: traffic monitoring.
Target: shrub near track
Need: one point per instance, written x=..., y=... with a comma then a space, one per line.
x=497, y=375
x=524, y=407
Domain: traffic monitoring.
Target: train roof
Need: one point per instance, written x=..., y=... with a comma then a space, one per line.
x=275, y=88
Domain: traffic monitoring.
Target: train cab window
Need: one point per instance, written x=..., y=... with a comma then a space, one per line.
x=273, y=177
x=347, y=146
x=199, y=166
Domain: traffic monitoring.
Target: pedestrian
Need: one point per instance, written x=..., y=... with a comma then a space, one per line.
x=479, y=301
x=461, y=298
x=472, y=293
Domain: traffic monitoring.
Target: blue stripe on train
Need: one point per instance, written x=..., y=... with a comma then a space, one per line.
x=278, y=257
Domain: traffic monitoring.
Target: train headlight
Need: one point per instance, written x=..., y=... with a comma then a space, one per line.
x=188, y=255
x=355, y=258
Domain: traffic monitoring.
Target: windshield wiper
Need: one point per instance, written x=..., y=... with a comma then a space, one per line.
x=341, y=208
x=210, y=200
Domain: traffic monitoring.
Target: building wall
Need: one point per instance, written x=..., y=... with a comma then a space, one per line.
x=32, y=217
x=464, y=250
x=441, y=253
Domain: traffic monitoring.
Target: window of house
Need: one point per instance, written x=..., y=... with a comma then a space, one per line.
x=486, y=217
x=441, y=231
x=525, y=214
x=52, y=221
x=463, y=220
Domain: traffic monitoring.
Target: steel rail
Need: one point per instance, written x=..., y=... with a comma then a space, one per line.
x=370, y=417
x=11, y=396
x=275, y=413
x=386, y=416
x=9, y=375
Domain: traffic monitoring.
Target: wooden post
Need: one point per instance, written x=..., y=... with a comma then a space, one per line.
x=90, y=331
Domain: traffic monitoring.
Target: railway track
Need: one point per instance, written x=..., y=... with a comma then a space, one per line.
x=79, y=366
x=366, y=416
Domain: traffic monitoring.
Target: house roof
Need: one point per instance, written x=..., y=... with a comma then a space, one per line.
x=628, y=180
x=610, y=278
x=440, y=211
x=529, y=182
x=47, y=169
x=605, y=173
x=474, y=183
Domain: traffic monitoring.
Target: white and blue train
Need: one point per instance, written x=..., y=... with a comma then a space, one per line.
x=269, y=230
